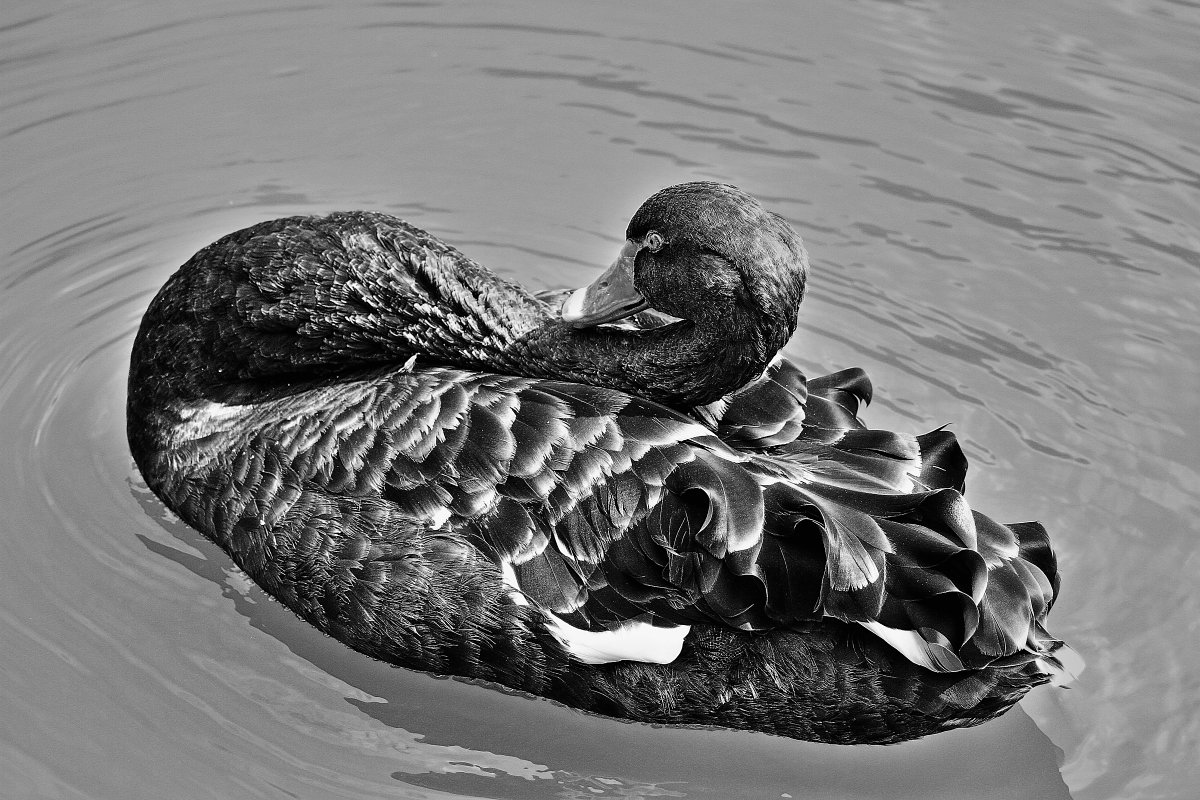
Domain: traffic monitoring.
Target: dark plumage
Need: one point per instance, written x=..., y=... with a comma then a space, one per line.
x=428, y=463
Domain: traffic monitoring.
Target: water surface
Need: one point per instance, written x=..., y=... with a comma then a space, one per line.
x=1001, y=205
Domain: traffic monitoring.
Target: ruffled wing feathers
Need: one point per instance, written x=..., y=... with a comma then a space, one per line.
x=608, y=508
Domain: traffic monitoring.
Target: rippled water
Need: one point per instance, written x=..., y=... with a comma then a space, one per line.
x=1001, y=202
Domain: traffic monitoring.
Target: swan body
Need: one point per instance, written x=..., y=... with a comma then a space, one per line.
x=659, y=521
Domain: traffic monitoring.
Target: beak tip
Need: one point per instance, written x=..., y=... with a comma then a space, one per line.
x=572, y=308
x=611, y=297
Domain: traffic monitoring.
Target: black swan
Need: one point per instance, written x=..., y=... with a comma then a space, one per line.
x=633, y=506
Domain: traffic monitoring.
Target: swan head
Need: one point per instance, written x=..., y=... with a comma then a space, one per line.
x=704, y=252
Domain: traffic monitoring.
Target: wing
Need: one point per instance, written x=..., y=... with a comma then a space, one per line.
x=906, y=556
x=604, y=508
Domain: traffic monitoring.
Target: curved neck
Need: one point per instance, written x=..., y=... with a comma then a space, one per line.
x=683, y=364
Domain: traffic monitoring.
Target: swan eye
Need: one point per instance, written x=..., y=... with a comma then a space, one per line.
x=653, y=241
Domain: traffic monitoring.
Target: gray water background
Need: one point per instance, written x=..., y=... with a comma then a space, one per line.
x=1001, y=202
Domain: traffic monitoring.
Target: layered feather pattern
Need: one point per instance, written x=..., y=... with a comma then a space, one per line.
x=608, y=508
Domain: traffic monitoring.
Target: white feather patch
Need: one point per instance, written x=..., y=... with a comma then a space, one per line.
x=1063, y=667
x=510, y=579
x=633, y=641
x=206, y=418
x=915, y=648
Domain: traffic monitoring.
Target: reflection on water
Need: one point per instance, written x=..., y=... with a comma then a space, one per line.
x=1001, y=209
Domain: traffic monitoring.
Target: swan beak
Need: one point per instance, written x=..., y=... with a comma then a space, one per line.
x=610, y=297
